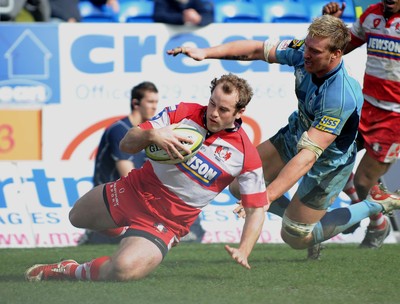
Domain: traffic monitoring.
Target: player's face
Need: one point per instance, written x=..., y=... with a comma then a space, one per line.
x=391, y=7
x=318, y=59
x=221, y=111
x=148, y=105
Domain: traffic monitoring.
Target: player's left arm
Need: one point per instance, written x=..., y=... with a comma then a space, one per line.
x=245, y=50
x=299, y=165
x=251, y=232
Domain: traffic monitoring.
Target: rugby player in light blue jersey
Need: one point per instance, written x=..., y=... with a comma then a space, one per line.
x=318, y=144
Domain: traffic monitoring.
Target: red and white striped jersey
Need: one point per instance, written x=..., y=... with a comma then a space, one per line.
x=222, y=157
x=382, y=74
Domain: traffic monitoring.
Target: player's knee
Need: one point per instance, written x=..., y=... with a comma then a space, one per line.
x=74, y=218
x=294, y=242
x=296, y=234
x=362, y=185
x=130, y=269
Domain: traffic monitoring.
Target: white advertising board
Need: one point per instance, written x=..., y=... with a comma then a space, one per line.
x=98, y=65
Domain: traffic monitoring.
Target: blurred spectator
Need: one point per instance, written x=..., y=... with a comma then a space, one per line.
x=39, y=9
x=65, y=10
x=113, y=4
x=68, y=10
x=184, y=12
x=111, y=163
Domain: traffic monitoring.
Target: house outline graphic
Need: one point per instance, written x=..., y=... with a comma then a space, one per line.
x=9, y=55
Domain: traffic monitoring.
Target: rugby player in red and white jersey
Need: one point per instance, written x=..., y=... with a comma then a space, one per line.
x=159, y=202
x=379, y=129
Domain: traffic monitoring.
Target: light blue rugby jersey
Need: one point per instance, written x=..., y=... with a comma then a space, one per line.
x=331, y=104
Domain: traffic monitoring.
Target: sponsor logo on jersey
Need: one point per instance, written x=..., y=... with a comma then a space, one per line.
x=328, y=124
x=222, y=153
x=201, y=169
x=388, y=47
x=296, y=44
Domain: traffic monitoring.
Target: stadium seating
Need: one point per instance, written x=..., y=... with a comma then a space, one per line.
x=136, y=11
x=315, y=9
x=236, y=11
x=92, y=13
x=284, y=11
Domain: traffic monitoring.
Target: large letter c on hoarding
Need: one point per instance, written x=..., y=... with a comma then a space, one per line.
x=83, y=46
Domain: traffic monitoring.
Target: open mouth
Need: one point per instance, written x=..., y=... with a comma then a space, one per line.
x=389, y=6
x=389, y=3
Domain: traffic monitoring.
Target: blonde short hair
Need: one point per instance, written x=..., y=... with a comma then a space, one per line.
x=333, y=28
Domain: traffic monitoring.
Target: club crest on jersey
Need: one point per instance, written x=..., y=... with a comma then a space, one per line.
x=200, y=169
x=222, y=153
x=328, y=124
x=377, y=21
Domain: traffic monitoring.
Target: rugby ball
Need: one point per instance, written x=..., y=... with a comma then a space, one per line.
x=161, y=156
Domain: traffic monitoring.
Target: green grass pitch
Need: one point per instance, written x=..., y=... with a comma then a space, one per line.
x=204, y=273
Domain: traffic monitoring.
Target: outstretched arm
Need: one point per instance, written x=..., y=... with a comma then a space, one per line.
x=251, y=232
x=236, y=50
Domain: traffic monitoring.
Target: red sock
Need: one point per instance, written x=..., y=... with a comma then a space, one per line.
x=70, y=272
x=350, y=190
x=377, y=221
x=115, y=232
x=90, y=270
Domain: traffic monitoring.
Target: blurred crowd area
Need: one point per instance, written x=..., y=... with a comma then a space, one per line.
x=147, y=11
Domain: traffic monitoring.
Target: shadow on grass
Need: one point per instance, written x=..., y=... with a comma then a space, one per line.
x=13, y=278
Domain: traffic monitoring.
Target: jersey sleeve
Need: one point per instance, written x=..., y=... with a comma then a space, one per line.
x=358, y=37
x=172, y=114
x=358, y=33
x=290, y=52
x=251, y=180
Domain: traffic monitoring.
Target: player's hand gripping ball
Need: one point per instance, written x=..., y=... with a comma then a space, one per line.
x=161, y=156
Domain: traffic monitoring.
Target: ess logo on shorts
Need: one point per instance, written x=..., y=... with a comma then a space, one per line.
x=328, y=124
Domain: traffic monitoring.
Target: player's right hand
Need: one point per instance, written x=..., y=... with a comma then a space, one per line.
x=334, y=9
x=169, y=141
x=239, y=210
x=195, y=53
x=238, y=256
